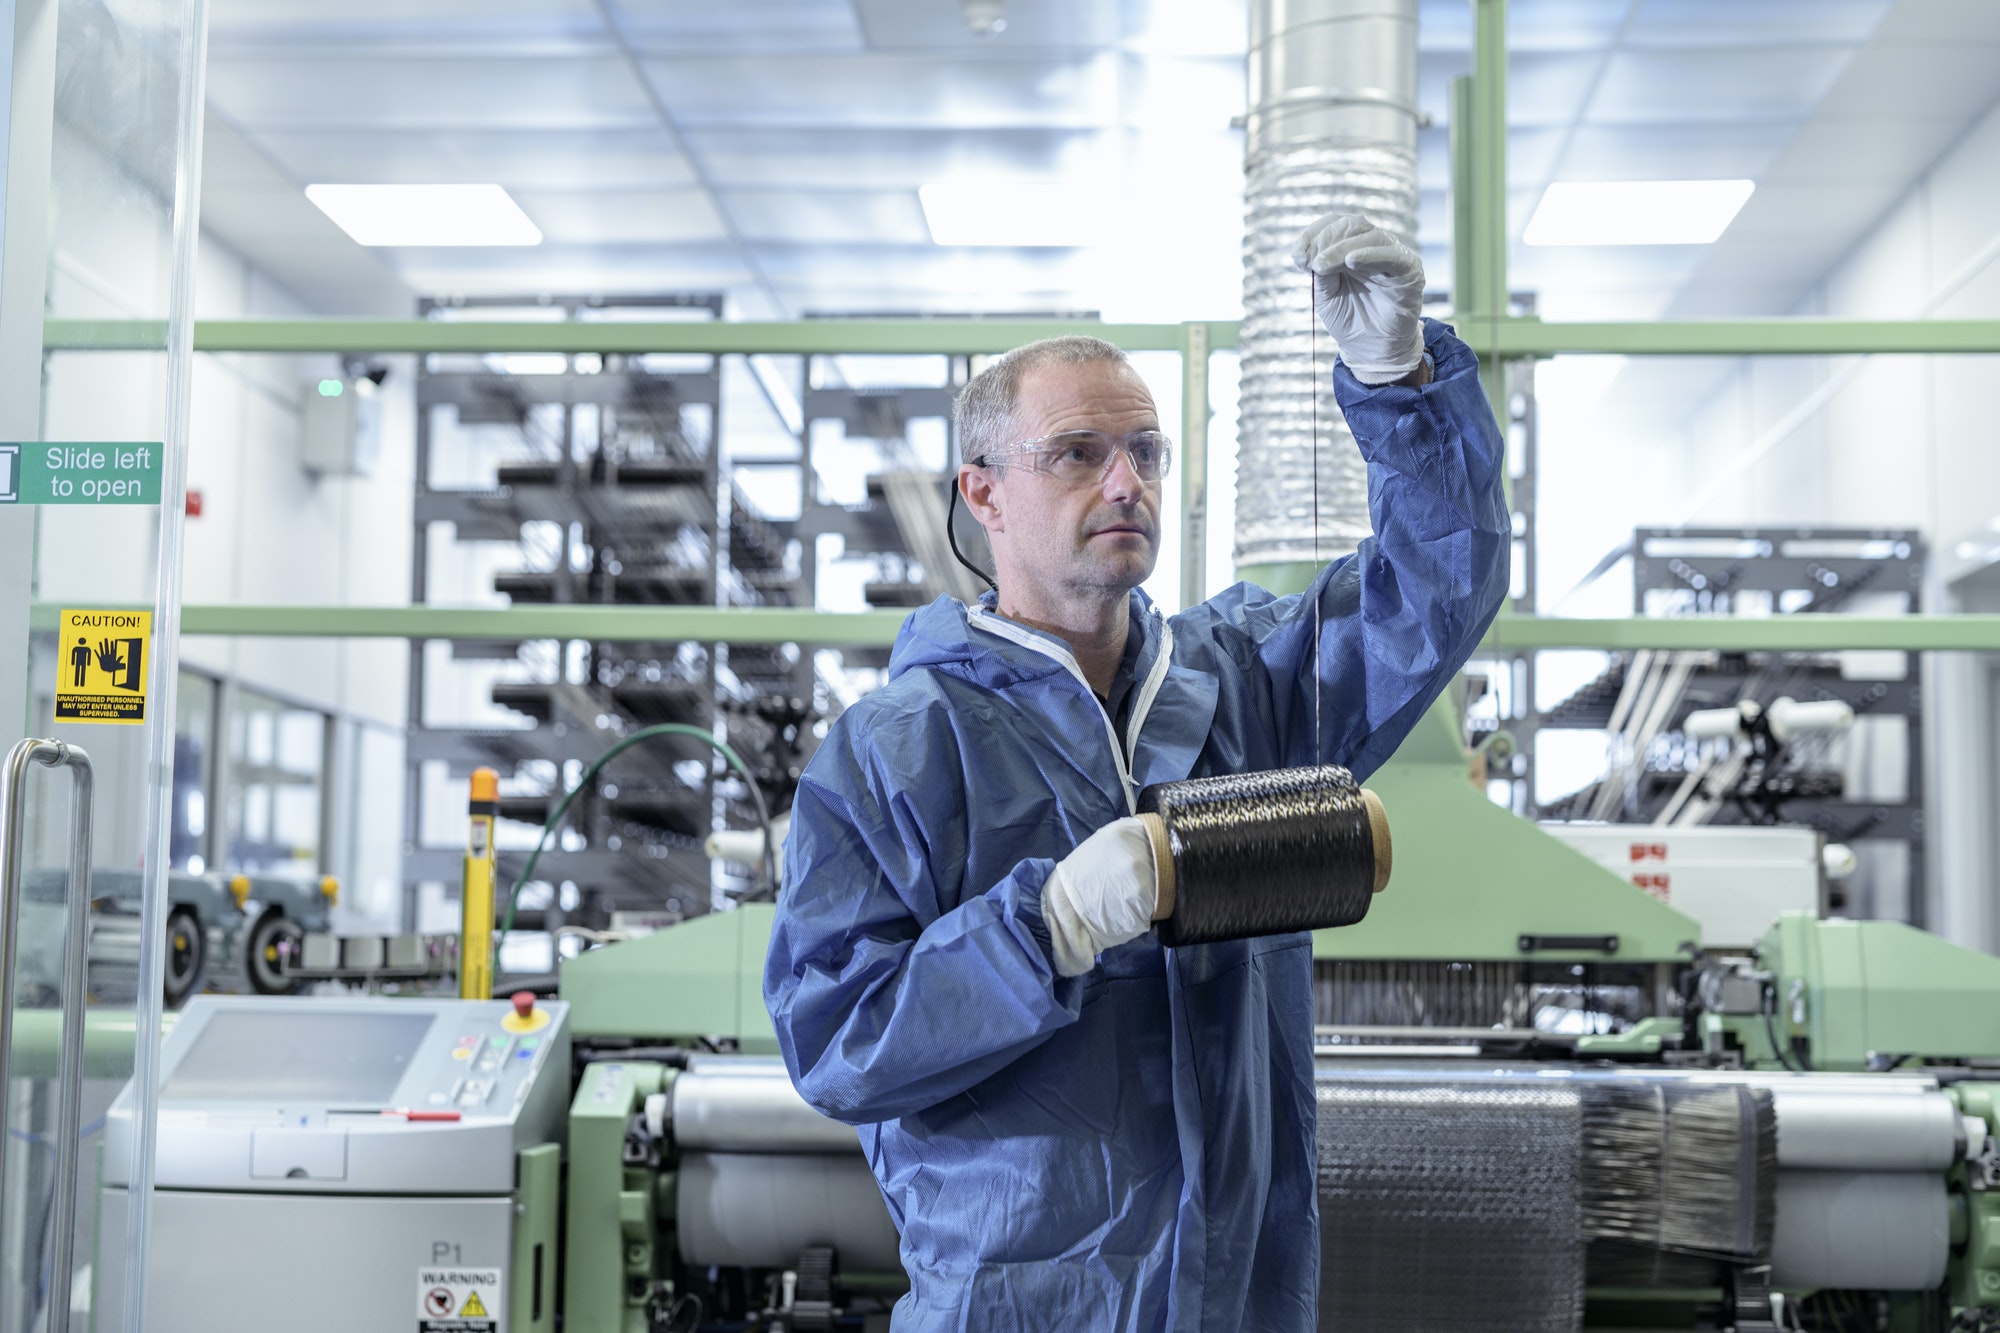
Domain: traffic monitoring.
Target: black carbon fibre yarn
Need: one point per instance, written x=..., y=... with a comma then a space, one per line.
x=1265, y=853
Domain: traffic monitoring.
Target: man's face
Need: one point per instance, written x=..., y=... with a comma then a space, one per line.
x=1100, y=538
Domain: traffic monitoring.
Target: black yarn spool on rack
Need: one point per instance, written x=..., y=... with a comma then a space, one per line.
x=1264, y=853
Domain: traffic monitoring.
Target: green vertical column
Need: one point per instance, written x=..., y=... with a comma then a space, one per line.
x=1479, y=196
x=1194, y=463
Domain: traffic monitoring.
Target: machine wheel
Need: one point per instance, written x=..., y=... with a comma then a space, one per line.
x=187, y=956
x=269, y=952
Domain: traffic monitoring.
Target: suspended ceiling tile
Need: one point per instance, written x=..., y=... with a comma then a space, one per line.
x=1843, y=148
x=529, y=159
x=509, y=93
x=1444, y=25
x=1555, y=266
x=623, y=217
x=607, y=270
x=1674, y=152
x=1831, y=213
x=669, y=27
x=1563, y=25
x=1727, y=85
x=1718, y=23
x=1942, y=21
x=928, y=25
x=248, y=206
x=1548, y=89
x=889, y=91
x=879, y=159
x=1951, y=79
x=906, y=267
x=877, y=217
x=1532, y=25
x=1532, y=153
x=266, y=28
x=1173, y=95
x=288, y=18
x=1603, y=301
x=1187, y=27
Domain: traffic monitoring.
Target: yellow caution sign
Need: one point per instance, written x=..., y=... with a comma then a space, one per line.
x=101, y=666
x=473, y=1308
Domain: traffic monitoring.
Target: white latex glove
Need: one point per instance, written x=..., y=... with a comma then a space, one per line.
x=1368, y=291
x=1100, y=895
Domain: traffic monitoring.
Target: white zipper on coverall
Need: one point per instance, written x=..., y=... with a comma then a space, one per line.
x=1028, y=638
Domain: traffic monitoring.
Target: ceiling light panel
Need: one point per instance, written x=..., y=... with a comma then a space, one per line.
x=889, y=92
x=1636, y=212
x=470, y=94
x=426, y=215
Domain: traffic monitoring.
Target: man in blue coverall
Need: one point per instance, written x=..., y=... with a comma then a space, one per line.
x=1074, y=1127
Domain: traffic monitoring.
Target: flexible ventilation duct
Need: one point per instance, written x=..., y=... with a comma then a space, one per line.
x=1332, y=126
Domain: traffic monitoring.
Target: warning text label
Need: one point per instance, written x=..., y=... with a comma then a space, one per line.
x=101, y=666
x=458, y=1300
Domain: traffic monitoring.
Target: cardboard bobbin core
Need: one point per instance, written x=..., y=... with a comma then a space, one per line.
x=1163, y=865
x=1163, y=856
x=1378, y=832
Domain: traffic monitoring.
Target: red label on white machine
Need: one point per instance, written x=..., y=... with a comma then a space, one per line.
x=458, y=1300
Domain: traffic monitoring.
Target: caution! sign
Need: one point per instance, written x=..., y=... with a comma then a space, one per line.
x=458, y=1300
x=101, y=666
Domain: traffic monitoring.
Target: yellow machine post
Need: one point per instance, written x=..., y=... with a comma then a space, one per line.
x=475, y=945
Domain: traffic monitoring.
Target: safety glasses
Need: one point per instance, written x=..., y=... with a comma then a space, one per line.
x=1084, y=457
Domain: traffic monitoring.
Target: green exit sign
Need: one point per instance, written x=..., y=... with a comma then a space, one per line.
x=81, y=473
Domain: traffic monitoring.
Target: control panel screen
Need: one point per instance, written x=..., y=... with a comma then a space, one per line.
x=289, y=1055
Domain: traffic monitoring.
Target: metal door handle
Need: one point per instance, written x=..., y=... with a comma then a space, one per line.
x=76, y=941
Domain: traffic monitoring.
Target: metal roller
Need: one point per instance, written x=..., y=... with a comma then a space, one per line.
x=1873, y=1230
x=1866, y=1131
x=751, y=1108
x=760, y=1211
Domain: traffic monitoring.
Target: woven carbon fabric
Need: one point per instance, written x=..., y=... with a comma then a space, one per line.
x=1264, y=853
x=1687, y=1168
x=1449, y=1207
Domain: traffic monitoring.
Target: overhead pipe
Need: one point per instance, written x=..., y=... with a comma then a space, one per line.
x=1332, y=125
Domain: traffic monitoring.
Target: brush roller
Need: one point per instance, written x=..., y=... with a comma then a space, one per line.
x=1264, y=853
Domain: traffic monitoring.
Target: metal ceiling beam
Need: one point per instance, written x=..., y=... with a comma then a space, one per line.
x=1502, y=337
x=913, y=336
x=878, y=629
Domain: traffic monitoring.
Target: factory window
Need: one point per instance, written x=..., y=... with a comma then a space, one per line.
x=188, y=845
x=276, y=765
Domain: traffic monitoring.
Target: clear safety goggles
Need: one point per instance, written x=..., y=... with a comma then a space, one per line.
x=1084, y=457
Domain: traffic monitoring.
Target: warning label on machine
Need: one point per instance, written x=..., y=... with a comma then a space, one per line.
x=101, y=666
x=458, y=1300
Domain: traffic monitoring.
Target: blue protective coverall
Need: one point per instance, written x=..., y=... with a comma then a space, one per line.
x=1132, y=1148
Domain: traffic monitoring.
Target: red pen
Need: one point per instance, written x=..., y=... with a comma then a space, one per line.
x=409, y=1113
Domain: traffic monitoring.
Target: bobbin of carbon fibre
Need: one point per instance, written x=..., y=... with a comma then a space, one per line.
x=1264, y=853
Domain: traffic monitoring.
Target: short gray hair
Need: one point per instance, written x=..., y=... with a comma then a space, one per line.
x=983, y=416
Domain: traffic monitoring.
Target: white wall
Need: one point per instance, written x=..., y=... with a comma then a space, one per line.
x=1902, y=441
x=270, y=532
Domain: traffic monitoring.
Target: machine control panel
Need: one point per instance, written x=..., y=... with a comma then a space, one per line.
x=353, y=1094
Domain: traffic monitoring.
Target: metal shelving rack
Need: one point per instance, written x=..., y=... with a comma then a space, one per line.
x=616, y=463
